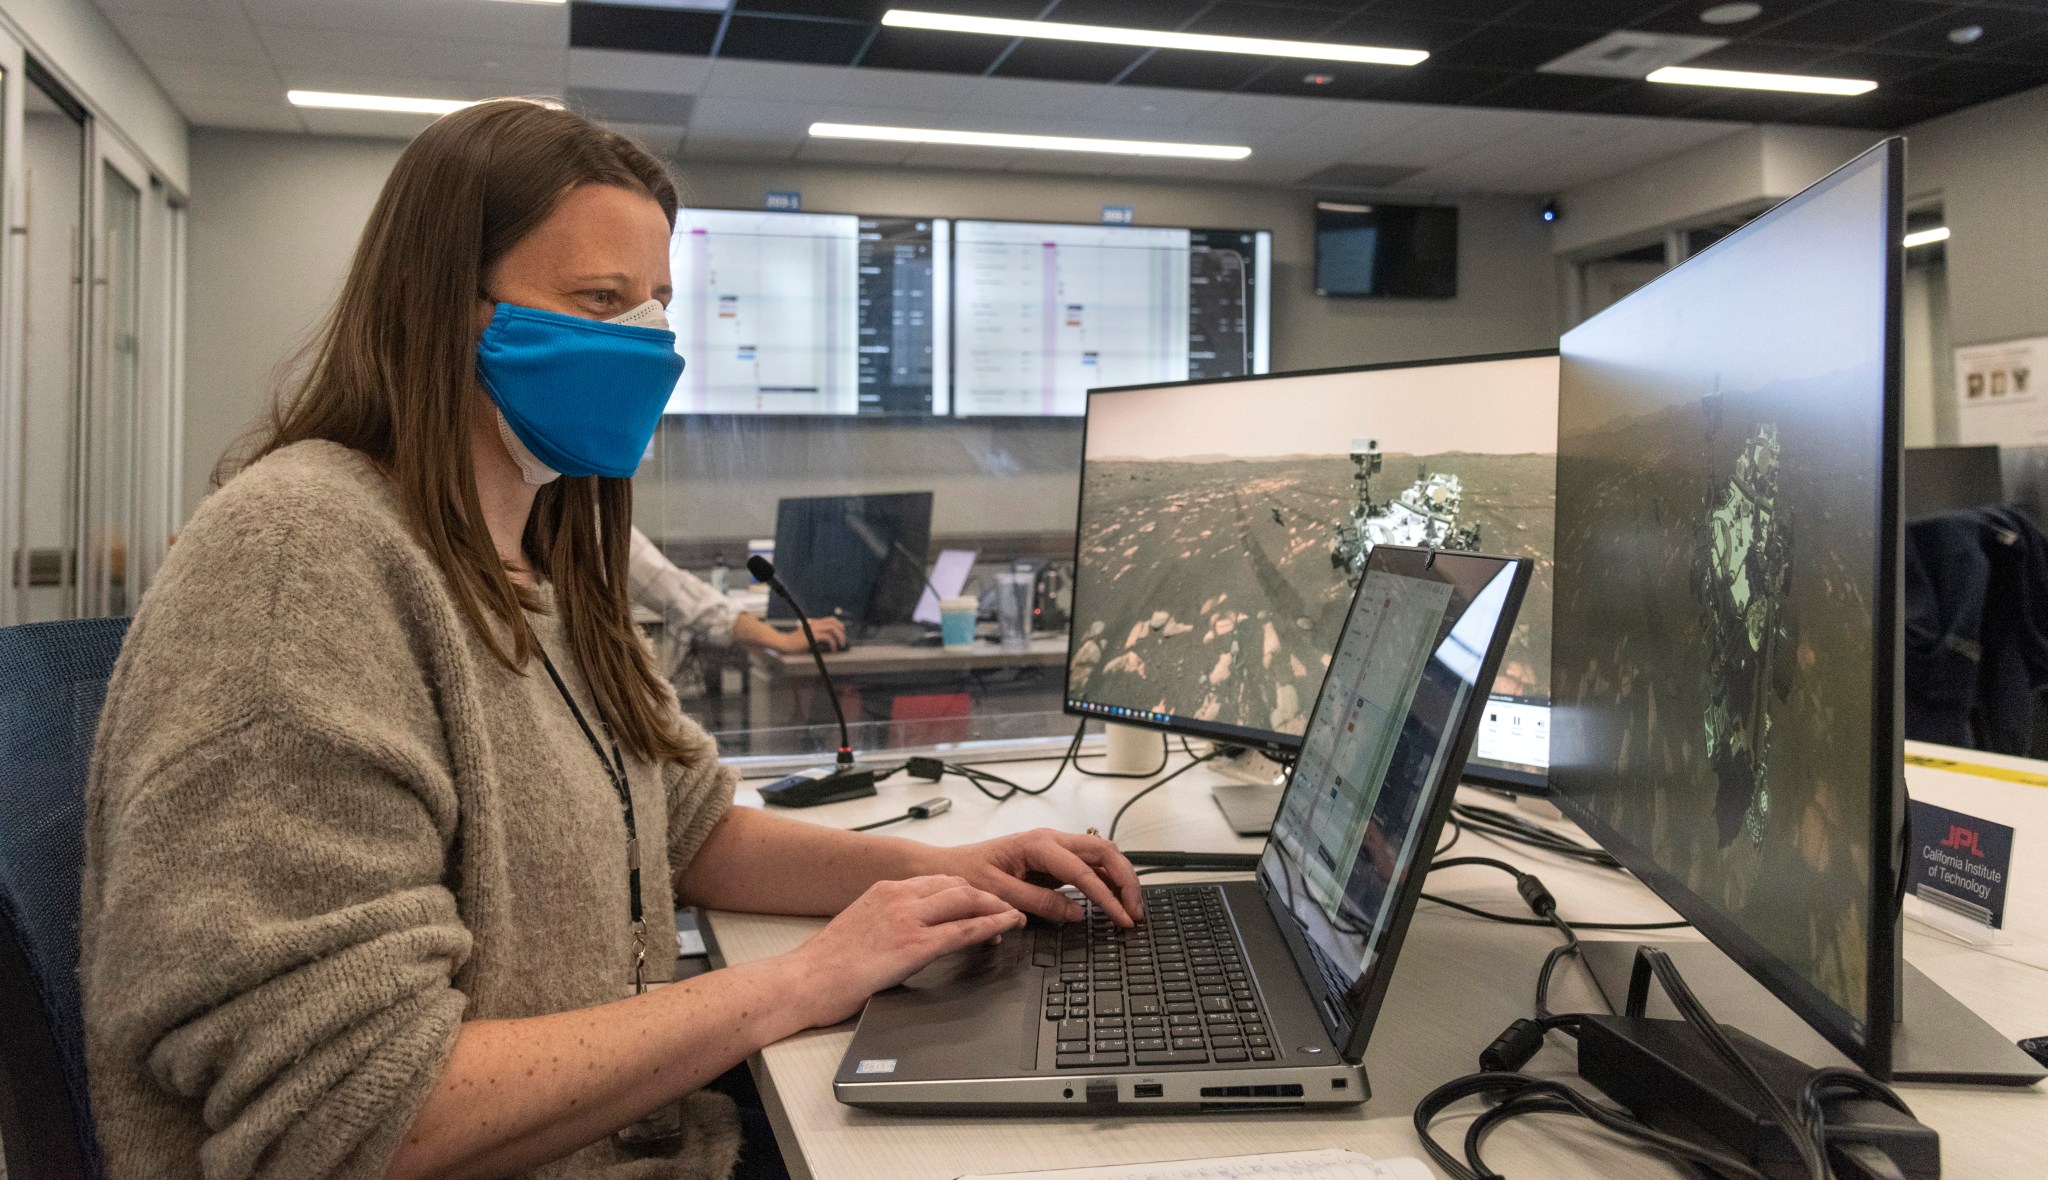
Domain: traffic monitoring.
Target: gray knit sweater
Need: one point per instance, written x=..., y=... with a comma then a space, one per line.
x=325, y=826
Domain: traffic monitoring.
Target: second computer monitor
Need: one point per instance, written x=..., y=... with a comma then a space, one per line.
x=859, y=557
x=1224, y=525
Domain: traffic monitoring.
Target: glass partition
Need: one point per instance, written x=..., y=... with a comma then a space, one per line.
x=1003, y=491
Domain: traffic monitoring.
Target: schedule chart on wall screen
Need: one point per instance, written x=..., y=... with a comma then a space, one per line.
x=905, y=315
x=1045, y=313
x=773, y=312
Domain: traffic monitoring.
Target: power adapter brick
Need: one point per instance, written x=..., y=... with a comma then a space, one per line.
x=1664, y=1072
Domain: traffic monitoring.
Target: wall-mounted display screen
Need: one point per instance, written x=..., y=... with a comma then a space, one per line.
x=1044, y=313
x=1386, y=251
x=846, y=314
x=810, y=313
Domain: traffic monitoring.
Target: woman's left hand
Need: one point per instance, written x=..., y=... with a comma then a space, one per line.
x=1089, y=863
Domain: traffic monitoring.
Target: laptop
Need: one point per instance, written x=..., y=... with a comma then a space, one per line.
x=1243, y=994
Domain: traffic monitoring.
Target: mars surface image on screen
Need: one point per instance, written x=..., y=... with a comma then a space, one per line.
x=1224, y=527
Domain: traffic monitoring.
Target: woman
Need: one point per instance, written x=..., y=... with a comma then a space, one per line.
x=364, y=895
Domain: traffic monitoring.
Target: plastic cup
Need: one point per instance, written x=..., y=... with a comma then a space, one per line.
x=956, y=620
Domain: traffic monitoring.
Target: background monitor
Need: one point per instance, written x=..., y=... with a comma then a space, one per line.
x=859, y=557
x=811, y=313
x=1380, y=251
x=1942, y=479
x=1725, y=654
x=1223, y=525
x=1046, y=312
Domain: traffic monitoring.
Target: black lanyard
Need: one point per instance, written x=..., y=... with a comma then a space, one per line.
x=615, y=770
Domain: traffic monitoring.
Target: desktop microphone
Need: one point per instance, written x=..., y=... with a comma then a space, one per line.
x=842, y=780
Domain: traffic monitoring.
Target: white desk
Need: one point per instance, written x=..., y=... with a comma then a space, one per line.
x=1460, y=980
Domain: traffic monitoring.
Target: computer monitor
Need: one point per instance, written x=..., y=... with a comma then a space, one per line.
x=1726, y=639
x=1941, y=479
x=859, y=557
x=1224, y=524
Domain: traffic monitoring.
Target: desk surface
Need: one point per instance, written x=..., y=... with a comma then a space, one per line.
x=876, y=659
x=1460, y=981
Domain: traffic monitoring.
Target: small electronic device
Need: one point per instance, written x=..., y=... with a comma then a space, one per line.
x=818, y=786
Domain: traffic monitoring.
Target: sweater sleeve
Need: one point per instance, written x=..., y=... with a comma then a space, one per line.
x=277, y=943
x=700, y=790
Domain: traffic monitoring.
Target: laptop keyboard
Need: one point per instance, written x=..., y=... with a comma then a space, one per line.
x=1173, y=990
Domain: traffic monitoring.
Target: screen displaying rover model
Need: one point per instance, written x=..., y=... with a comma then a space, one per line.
x=1225, y=524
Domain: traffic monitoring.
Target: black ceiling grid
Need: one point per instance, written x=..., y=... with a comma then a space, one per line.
x=1483, y=53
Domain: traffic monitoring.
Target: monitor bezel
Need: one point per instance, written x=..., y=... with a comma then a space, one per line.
x=1281, y=746
x=1873, y=1051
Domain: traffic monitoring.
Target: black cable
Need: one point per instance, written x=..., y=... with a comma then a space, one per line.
x=883, y=823
x=1558, y=954
x=1457, y=830
x=1512, y=920
x=1522, y=1094
x=1508, y=826
x=1118, y=817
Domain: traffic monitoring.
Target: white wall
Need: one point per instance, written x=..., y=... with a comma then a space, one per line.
x=275, y=217
x=1989, y=167
x=273, y=223
x=1742, y=172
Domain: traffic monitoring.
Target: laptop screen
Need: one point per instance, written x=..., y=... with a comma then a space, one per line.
x=1384, y=739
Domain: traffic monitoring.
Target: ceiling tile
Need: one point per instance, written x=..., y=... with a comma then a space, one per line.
x=271, y=114
x=1261, y=20
x=1515, y=47
x=814, y=42
x=637, y=71
x=1601, y=16
x=223, y=79
x=536, y=25
x=1064, y=61
x=369, y=124
x=1550, y=92
x=1841, y=24
x=2001, y=27
x=1197, y=71
x=869, y=10
x=919, y=49
x=653, y=30
x=189, y=39
x=1135, y=14
x=187, y=9
x=489, y=67
x=1026, y=98
x=1167, y=108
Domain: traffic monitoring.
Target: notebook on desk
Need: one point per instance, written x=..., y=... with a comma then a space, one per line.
x=1247, y=994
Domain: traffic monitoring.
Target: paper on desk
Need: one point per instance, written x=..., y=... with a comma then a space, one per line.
x=1327, y=1164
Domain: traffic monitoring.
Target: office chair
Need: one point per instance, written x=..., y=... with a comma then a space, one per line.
x=53, y=681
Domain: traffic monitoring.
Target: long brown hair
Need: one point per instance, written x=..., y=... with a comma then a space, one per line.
x=392, y=373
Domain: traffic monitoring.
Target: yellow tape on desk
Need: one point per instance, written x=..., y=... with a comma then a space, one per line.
x=2024, y=777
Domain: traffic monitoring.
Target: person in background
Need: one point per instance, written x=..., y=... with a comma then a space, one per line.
x=696, y=616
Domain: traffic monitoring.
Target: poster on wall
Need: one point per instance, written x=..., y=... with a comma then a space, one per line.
x=1998, y=393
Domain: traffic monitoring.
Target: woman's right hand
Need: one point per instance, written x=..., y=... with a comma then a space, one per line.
x=887, y=935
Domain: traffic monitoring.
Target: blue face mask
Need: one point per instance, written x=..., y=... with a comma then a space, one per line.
x=577, y=396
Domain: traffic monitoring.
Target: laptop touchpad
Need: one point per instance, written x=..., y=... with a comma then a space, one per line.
x=962, y=1015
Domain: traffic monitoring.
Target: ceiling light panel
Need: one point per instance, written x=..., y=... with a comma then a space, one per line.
x=1745, y=80
x=1049, y=143
x=327, y=100
x=1926, y=237
x=903, y=18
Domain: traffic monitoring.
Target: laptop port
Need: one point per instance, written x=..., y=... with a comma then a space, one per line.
x=1148, y=1090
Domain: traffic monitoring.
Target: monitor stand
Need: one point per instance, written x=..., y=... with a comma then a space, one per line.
x=1939, y=1040
x=1249, y=808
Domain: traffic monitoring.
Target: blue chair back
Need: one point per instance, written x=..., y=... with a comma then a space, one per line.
x=53, y=682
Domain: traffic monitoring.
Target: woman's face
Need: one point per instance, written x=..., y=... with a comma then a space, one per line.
x=602, y=253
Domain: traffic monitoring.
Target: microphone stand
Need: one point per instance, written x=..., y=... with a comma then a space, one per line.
x=842, y=780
